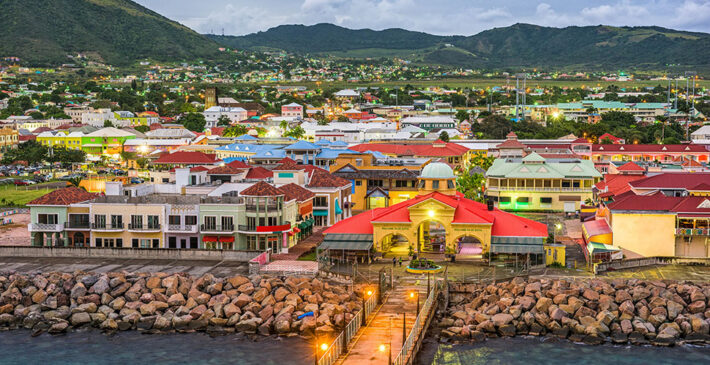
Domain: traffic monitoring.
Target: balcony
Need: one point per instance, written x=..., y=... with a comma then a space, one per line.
x=77, y=226
x=692, y=231
x=264, y=229
x=550, y=189
x=112, y=227
x=45, y=227
x=181, y=228
x=261, y=207
x=229, y=228
x=144, y=227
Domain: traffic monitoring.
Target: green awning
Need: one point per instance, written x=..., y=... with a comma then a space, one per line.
x=597, y=247
x=337, y=207
x=320, y=213
x=352, y=242
x=513, y=248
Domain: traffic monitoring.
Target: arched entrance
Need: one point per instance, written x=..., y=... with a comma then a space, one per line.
x=432, y=237
x=469, y=247
x=78, y=239
x=396, y=244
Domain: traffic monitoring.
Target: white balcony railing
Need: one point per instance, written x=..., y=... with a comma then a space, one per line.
x=190, y=228
x=497, y=188
x=45, y=227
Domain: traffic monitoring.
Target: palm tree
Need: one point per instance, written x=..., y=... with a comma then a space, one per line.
x=75, y=181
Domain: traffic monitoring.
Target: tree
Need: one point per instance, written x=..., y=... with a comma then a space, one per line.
x=31, y=151
x=142, y=162
x=493, y=126
x=470, y=185
x=223, y=121
x=108, y=124
x=481, y=160
x=296, y=132
x=462, y=115
x=37, y=115
x=235, y=131
x=606, y=140
x=444, y=136
x=66, y=156
x=142, y=128
x=343, y=119
x=194, y=122
x=75, y=181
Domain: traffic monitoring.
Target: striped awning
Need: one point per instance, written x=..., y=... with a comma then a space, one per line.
x=353, y=242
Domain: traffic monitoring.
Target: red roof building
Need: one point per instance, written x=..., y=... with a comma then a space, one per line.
x=186, y=158
x=649, y=152
x=259, y=173
x=64, y=196
x=454, y=153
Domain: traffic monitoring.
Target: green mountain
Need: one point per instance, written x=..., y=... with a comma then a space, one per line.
x=116, y=31
x=516, y=45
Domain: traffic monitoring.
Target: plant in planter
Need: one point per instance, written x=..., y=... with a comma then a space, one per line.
x=449, y=252
x=411, y=250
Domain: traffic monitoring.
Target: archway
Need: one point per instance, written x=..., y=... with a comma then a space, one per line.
x=469, y=247
x=396, y=244
x=431, y=236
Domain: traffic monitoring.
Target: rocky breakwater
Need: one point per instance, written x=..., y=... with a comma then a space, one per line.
x=57, y=302
x=592, y=311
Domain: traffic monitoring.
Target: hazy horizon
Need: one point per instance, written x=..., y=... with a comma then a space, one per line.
x=448, y=17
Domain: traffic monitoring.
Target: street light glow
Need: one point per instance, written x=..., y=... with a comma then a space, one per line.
x=431, y=213
x=382, y=348
x=369, y=292
x=324, y=346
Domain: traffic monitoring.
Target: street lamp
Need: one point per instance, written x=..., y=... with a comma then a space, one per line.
x=412, y=295
x=558, y=227
x=322, y=348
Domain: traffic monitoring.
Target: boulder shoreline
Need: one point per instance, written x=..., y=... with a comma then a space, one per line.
x=163, y=303
x=592, y=311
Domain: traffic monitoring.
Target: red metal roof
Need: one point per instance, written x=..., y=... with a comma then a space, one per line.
x=630, y=166
x=429, y=150
x=187, y=158
x=672, y=180
x=650, y=148
x=466, y=212
x=596, y=227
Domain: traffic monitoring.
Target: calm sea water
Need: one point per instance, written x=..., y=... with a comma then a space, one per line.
x=530, y=351
x=93, y=347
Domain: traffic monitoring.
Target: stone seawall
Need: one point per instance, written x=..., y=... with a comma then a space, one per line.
x=57, y=302
x=128, y=253
x=585, y=310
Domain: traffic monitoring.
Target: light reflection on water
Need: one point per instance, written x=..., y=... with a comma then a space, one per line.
x=535, y=351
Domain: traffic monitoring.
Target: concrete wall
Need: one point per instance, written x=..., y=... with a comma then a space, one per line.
x=128, y=253
x=644, y=234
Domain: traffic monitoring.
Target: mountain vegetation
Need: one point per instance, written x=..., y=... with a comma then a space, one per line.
x=114, y=31
x=513, y=46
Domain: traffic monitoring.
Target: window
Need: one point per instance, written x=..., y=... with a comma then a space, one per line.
x=227, y=222
x=153, y=221
x=174, y=220
x=191, y=220
x=119, y=242
x=134, y=243
x=358, y=182
x=144, y=243
x=100, y=220
x=320, y=201
x=99, y=242
x=137, y=221
x=523, y=200
x=435, y=184
x=545, y=200
x=450, y=184
x=116, y=221
x=566, y=184
x=47, y=218
x=272, y=221
x=504, y=199
x=156, y=243
x=211, y=222
x=374, y=183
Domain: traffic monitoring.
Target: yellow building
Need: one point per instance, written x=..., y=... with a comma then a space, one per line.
x=9, y=137
x=116, y=222
x=659, y=225
x=554, y=254
x=378, y=183
x=437, y=220
x=534, y=183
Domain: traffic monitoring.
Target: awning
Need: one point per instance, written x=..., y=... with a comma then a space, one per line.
x=337, y=207
x=513, y=248
x=351, y=242
x=570, y=198
x=209, y=239
x=597, y=230
x=296, y=230
x=597, y=247
x=320, y=213
x=226, y=239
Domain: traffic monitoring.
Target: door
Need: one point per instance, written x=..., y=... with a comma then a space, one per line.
x=172, y=242
x=183, y=243
x=194, y=242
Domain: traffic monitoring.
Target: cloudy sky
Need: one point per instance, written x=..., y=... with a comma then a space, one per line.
x=445, y=17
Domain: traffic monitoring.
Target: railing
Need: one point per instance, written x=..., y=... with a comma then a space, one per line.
x=182, y=228
x=649, y=261
x=106, y=226
x=261, y=207
x=143, y=227
x=254, y=228
x=46, y=227
x=78, y=225
x=343, y=340
x=222, y=228
x=419, y=325
x=692, y=231
x=498, y=188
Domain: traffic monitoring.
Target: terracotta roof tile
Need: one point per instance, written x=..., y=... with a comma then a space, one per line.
x=288, y=166
x=324, y=179
x=225, y=170
x=259, y=173
x=295, y=191
x=261, y=188
x=237, y=164
x=64, y=196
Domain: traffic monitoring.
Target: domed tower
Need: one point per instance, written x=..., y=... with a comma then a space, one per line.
x=437, y=176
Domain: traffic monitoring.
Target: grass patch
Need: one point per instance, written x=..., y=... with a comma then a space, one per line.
x=14, y=197
x=310, y=256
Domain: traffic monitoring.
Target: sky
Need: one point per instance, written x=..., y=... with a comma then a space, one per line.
x=443, y=17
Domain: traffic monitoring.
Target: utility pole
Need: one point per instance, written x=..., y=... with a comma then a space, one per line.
x=688, y=98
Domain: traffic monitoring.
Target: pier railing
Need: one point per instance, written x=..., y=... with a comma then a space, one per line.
x=413, y=341
x=340, y=344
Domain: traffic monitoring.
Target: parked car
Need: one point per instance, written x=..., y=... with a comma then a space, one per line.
x=21, y=182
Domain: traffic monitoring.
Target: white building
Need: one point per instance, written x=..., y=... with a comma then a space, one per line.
x=701, y=136
x=213, y=114
x=98, y=117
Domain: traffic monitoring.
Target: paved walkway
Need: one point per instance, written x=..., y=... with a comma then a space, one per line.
x=385, y=325
x=302, y=247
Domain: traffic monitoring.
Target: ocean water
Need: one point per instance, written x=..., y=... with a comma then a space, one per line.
x=529, y=351
x=93, y=347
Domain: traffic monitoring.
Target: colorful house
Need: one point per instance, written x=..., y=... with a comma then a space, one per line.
x=106, y=141
x=58, y=218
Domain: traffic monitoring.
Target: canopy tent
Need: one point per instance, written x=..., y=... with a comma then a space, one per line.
x=603, y=251
x=517, y=245
x=349, y=242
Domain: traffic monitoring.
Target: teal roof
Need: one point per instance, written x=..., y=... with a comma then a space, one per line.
x=545, y=169
x=533, y=157
x=302, y=145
